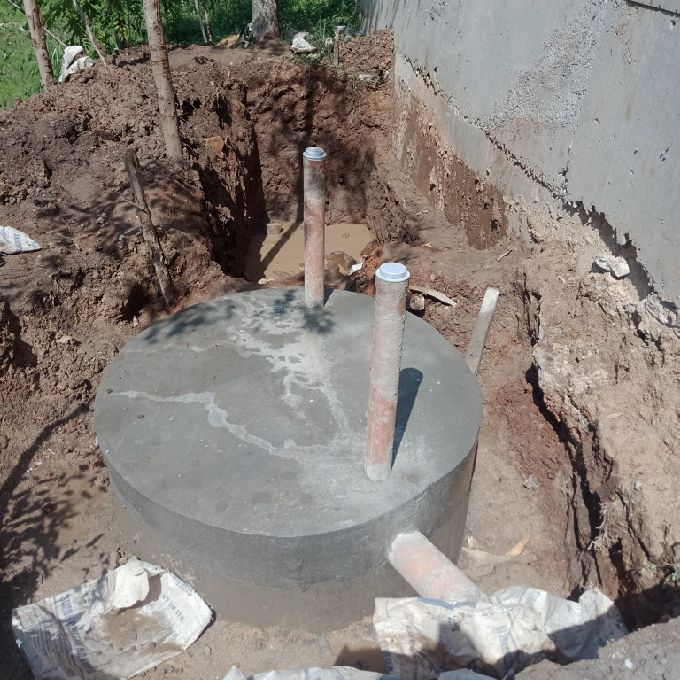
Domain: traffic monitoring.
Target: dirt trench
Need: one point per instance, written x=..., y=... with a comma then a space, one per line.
x=246, y=116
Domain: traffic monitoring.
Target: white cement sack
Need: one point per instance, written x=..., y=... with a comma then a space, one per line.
x=73, y=60
x=504, y=633
x=13, y=241
x=300, y=44
x=129, y=620
x=334, y=673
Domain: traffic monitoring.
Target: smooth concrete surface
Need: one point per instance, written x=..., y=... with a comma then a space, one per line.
x=234, y=434
x=578, y=96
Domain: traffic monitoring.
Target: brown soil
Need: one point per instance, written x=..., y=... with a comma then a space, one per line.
x=65, y=311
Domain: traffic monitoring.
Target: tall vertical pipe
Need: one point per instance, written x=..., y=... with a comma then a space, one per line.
x=315, y=224
x=391, y=283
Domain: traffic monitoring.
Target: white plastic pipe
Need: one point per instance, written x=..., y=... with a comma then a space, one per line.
x=473, y=355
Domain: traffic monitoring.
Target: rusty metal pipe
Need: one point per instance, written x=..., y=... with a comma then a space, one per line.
x=314, y=165
x=429, y=572
x=391, y=283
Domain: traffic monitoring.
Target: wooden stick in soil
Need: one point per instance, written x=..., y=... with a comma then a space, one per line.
x=160, y=67
x=336, y=47
x=148, y=229
x=35, y=26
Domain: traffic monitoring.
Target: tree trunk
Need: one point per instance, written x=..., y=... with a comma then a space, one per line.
x=90, y=33
x=148, y=229
x=203, y=21
x=160, y=68
x=42, y=56
x=206, y=23
x=265, y=22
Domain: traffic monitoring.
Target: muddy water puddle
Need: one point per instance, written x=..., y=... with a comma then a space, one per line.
x=279, y=256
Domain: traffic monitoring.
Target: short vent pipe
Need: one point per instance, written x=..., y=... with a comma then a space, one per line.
x=391, y=283
x=473, y=354
x=429, y=572
x=314, y=168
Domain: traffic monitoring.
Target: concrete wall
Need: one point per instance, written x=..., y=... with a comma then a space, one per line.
x=578, y=97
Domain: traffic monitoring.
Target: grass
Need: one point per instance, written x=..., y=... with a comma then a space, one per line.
x=319, y=17
x=19, y=77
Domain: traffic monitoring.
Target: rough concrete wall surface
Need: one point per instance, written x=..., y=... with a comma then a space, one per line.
x=574, y=96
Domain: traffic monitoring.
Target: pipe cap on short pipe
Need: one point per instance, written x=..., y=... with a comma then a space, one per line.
x=314, y=153
x=394, y=272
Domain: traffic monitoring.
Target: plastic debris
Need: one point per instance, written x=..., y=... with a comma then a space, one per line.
x=531, y=483
x=616, y=266
x=129, y=620
x=434, y=294
x=300, y=45
x=347, y=33
x=334, y=673
x=518, y=548
x=75, y=59
x=13, y=241
x=498, y=635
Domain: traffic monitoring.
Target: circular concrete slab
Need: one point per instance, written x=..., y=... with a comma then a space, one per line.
x=234, y=430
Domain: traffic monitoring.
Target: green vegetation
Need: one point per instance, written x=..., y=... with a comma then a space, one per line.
x=19, y=77
x=120, y=23
x=319, y=17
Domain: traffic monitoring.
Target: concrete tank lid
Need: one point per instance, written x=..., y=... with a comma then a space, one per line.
x=248, y=413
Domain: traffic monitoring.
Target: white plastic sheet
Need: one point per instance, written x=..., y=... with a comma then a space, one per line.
x=74, y=59
x=500, y=634
x=300, y=45
x=334, y=673
x=129, y=620
x=13, y=241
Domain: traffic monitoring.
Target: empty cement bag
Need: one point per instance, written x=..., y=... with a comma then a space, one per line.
x=334, y=673
x=13, y=241
x=129, y=620
x=514, y=628
x=300, y=45
x=73, y=60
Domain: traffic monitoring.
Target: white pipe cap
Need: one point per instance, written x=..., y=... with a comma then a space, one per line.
x=394, y=272
x=314, y=153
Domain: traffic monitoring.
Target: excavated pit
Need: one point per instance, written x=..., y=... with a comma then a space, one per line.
x=548, y=506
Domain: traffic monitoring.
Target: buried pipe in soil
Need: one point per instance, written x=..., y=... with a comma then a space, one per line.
x=429, y=572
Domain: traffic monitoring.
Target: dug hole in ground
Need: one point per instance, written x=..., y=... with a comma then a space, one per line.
x=578, y=453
